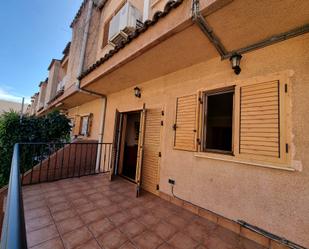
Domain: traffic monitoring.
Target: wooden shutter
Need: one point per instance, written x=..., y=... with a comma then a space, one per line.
x=151, y=157
x=260, y=121
x=105, y=33
x=140, y=151
x=186, y=123
x=76, y=128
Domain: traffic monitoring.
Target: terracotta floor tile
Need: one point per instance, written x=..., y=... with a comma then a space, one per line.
x=166, y=246
x=101, y=226
x=111, y=210
x=38, y=223
x=42, y=235
x=59, y=207
x=197, y=232
x=120, y=218
x=92, y=216
x=85, y=208
x=147, y=240
x=137, y=211
x=55, y=243
x=56, y=200
x=36, y=213
x=77, y=237
x=63, y=215
x=69, y=225
x=112, y=239
x=183, y=241
x=177, y=221
x=92, y=244
x=214, y=242
x=95, y=197
x=35, y=204
x=132, y=228
x=79, y=202
x=127, y=245
x=164, y=230
x=148, y=220
x=104, y=202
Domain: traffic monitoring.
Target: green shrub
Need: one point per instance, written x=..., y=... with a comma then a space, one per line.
x=54, y=127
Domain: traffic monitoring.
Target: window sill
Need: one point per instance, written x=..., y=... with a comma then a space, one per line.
x=228, y=158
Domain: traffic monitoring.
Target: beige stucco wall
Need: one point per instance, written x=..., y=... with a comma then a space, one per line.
x=275, y=200
x=94, y=107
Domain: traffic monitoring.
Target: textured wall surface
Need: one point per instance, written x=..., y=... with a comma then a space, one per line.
x=275, y=200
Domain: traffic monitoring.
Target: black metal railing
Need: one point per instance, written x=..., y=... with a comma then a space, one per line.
x=13, y=229
x=44, y=162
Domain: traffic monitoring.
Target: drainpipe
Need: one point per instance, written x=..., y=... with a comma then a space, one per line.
x=103, y=97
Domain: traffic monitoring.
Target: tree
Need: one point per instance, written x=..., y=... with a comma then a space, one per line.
x=54, y=127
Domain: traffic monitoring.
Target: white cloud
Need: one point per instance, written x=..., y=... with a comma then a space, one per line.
x=4, y=94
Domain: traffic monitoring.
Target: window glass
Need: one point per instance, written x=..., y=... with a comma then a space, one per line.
x=218, y=121
x=84, y=126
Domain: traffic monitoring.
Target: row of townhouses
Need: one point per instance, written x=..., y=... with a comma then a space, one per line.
x=205, y=101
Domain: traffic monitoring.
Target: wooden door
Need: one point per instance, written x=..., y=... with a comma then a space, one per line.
x=140, y=151
x=152, y=153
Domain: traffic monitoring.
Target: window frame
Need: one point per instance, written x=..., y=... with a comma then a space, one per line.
x=205, y=94
x=87, y=133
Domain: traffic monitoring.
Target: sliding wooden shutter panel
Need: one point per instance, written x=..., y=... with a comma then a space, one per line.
x=186, y=123
x=260, y=121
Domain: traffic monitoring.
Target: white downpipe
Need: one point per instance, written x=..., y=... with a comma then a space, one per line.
x=146, y=10
x=101, y=134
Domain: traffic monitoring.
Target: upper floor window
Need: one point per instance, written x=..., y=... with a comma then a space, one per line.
x=85, y=125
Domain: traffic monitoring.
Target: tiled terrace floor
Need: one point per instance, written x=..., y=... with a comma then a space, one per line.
x=91, y=212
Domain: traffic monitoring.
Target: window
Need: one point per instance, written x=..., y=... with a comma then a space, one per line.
x=84, y=127
x=218, y=121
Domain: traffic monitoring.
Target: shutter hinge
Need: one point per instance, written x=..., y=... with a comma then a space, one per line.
x=198, y=141
x=162, y=113
x=174, y=127
x=200, y=100
x=161, y=122
x=158, y=187
x=286, y=148
x=286, y=88
x=160, y=155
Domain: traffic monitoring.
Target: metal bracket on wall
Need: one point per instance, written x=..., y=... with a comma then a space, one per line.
x=200, y=20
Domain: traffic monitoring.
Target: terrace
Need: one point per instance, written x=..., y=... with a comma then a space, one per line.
x=68, y=201
x=92, y=212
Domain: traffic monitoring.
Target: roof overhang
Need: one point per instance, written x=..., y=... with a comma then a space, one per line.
x=154, y=54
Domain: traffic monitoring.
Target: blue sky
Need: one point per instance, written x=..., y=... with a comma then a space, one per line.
x=32, y=33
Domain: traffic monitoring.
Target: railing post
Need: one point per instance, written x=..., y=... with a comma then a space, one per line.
x=14, y=230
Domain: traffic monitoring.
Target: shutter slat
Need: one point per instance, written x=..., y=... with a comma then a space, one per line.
x=259, y=120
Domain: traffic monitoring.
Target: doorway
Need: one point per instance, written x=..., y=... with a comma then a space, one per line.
x=137, y=142
x=129, y=145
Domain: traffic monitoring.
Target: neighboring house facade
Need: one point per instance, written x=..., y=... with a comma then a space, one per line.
x=6, y=106
x=186, y=125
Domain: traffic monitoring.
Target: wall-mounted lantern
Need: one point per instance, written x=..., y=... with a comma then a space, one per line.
x=137, y=92
x=235, y=62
